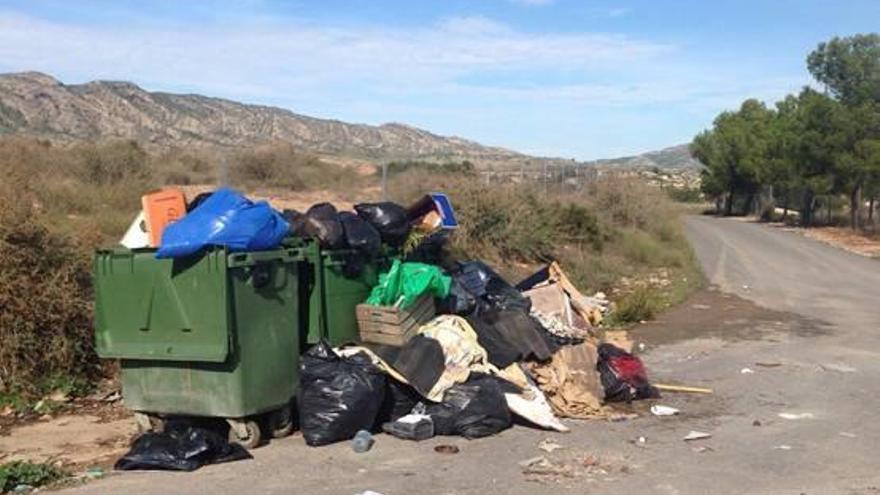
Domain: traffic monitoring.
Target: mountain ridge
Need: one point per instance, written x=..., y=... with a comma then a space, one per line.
x=37, y=104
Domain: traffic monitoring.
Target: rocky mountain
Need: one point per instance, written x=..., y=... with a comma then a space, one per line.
x=37, y=104
x=672, y=158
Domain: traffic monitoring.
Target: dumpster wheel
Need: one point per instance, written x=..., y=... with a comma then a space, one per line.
x=281, y=422
x=245, y=432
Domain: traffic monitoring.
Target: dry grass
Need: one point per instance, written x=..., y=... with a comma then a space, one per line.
x=616, y=228
x=58, y=203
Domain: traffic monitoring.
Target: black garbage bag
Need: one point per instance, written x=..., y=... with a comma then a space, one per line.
x=473, y=409
x=482, y=281
x=296, y=220
x=322, y=224
x=337, y=396
x=458, y=302
x=501, y=351
x=623, y=375
x=520, y=330
x=422, y=362
x=390, y=219
x=360, y=235
x=400, y=399
x=180, y=448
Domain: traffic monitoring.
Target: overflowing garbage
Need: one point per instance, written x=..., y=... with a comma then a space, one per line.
x=446, y=347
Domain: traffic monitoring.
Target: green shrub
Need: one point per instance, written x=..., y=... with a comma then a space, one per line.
x=17, y=473
x=639, y=305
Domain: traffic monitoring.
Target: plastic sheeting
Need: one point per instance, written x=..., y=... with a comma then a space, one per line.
x=179, y=448
x=404, y=282
x=226, y=218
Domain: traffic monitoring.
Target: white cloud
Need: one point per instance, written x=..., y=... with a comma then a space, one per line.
x=264, y=57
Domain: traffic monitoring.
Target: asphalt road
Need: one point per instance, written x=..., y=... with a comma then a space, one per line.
x=801, y=316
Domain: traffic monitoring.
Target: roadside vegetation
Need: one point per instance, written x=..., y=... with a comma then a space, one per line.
x=57, y=203
x=816, y=153
x=28, y=474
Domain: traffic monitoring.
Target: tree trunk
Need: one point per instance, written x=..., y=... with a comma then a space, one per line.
x=728, y=208
x=855, y=207
x=871, y=213
x=749, y=206
x=828, y=220
x=807, y=208
x=784, y=213
x=766, y=203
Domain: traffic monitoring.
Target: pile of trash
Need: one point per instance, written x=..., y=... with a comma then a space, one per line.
x=473, y=350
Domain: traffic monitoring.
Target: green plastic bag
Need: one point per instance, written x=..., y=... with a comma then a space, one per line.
x=406, y=282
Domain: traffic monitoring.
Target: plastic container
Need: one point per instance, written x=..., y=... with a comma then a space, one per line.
x=160, y=209
x=362, y=441
x=215, y=334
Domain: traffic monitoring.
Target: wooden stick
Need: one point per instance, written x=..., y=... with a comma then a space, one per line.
x=682, y=388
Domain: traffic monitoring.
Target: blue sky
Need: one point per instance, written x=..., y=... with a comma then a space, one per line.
x=580, y=79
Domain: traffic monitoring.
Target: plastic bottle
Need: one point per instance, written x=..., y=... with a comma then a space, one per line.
x=362, y=441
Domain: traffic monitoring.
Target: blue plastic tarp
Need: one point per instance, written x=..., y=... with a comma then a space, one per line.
x=226, y=218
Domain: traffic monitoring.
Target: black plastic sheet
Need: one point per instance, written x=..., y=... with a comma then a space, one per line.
x=180, y=448
x=360, y=235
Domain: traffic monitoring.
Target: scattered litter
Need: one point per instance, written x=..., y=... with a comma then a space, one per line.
x=746, y=287
x=848, y=434
x=532, y=461
x=701, y=306
x=765, y=364
x=446, y=449
x=747, y=371
x=794, y=416
x=660, y=410
x=362, y=441
x=640, y=441
x=544, y=467
x=368, y=492
x=839, y=368
x=22, y=489
x=696, y=435
x=783, y=447
x=682, y=388
x=548, y=445
x=621, y=417
x=94, y=472
x=702, y=448
x=411, y=427
x=756, y=423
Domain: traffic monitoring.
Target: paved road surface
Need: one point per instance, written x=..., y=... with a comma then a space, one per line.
x=818, y=327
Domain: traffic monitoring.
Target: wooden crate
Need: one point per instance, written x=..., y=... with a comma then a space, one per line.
x=393, y=326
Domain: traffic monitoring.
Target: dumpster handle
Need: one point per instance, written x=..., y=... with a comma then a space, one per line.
x=322, y=318
x=237, y=260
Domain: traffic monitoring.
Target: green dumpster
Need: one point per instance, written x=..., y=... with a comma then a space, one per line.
x=335, y=293
x=216, y=334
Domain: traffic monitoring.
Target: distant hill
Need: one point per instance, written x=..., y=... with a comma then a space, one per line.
x=37, y=104
x=672, y=158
